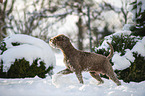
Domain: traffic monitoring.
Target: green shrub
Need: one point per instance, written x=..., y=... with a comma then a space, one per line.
x=2, y=47
x=22, y=69
x=119, y=43
x=15, y=43
x=136, y=72
x=122, y=42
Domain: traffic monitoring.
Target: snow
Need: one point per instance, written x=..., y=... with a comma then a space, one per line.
x=68, y=86
x=104, y=44
x=129, y=55
x=140, y=47
x=122, y=33
x=30, y=48
x=127, y=27
x=120, y=62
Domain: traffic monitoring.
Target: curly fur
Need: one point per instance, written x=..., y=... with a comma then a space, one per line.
x=78, y=61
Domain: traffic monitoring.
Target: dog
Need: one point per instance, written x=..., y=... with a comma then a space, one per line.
x=78, y=61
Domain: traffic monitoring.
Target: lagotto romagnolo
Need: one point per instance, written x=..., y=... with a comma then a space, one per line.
x=78, y=61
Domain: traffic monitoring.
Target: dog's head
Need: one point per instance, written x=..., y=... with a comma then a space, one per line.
x=59, y=41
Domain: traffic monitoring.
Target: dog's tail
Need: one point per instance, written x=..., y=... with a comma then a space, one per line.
x=111, y=52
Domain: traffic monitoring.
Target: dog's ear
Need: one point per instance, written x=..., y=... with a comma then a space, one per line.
x=62, y=38
x=65, y=38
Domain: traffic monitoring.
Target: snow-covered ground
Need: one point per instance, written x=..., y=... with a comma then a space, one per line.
x=68, y=86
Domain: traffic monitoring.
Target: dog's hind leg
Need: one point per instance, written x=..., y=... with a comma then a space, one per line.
x=97, y=77
x=110, y=73
x=114, y=78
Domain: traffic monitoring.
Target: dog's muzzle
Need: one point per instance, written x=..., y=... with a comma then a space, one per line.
x=51, y=42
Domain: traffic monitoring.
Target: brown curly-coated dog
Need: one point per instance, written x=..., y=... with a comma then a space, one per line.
x=78, y=61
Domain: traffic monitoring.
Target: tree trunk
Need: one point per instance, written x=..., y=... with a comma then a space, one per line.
x=1, y=24
x=80, y=34
x=2, y=30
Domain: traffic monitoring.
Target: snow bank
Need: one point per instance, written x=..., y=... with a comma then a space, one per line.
x=44, y=87
x=120, y=62
x=30, y=48
x=123, y=62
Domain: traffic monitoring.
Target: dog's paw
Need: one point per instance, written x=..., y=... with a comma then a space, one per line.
x=95, y=82
x=100, y=82
x=119, y=83
x=55, y=79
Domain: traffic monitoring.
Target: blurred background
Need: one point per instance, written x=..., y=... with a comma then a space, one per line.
x=86, y=22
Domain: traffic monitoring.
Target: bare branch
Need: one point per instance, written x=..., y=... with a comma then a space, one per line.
x=11, y=8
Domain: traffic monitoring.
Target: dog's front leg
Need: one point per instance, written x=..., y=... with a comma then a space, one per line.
x=65, y=72
x=56, y=76
x=79, y=76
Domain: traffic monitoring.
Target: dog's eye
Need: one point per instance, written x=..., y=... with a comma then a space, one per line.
x=59, y=39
